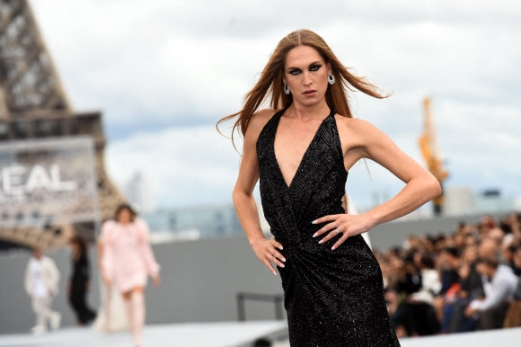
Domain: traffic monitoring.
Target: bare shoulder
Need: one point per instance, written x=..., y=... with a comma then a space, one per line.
x=356, y=128
x=258, y=121
x=261, y=117
x=355, y=124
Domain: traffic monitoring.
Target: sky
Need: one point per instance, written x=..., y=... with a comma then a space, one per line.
x=163, y=72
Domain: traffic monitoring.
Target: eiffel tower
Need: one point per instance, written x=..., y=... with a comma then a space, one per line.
x=34, y=105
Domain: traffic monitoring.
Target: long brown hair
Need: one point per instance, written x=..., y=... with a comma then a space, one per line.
x=270, y=81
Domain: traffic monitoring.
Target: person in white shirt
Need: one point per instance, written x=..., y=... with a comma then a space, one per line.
x=499, y=293
x=41, y=283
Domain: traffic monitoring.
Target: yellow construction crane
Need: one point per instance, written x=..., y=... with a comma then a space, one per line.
x=429, y=147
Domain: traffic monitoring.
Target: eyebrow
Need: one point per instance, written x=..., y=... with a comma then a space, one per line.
x=313, y=63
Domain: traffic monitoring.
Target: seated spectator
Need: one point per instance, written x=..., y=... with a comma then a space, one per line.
x=419, y=314
x=409, y=281
x=491, y=310
x=507, y=253
x=448, y=263
x=430, y=281
x=516, y=261
x=513, y=317
x=488, y=248
x=470, y=279
x=471, y=289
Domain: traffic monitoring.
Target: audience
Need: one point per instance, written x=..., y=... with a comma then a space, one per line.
x=499, y=285
x=447, y=283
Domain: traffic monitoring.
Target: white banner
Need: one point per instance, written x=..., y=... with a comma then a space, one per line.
x=48, y=181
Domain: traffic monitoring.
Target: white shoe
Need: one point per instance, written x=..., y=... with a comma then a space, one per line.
x=56, y=320
x=38, y=329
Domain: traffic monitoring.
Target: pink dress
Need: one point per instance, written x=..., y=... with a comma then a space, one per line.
x=127, y=255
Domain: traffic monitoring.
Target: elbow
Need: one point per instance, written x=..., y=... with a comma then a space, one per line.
x=235, y=196
x=238, y=196
x=436, y=189
x=433, y=188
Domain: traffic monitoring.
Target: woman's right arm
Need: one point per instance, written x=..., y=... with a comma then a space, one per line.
x=266, y=250
x=104, y=254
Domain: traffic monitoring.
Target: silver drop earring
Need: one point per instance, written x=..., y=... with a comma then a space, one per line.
x=331, y=79
x=286, y=89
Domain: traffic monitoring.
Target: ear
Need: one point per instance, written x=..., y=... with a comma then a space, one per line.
x=329, y=70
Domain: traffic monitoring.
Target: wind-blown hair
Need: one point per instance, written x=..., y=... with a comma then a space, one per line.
x=270, y=84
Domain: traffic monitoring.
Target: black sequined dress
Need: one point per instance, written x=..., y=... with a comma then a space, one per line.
x=332, y=298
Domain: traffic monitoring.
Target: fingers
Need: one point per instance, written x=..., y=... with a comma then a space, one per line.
x=333, y=223
x=277, y=245
x=324, y=219
x=274, y=256
x=329, y=236
x=268, y=253
x=275, y=253
x=269, y=266
x=277, y=259
x=340, y=241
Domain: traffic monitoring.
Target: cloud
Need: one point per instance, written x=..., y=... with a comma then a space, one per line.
x=165, y=71
x=142, y=61
x=185, y=166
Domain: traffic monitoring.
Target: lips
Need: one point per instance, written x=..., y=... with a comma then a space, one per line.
x=310, y=92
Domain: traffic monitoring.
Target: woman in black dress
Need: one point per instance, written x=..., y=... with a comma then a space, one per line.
x=80, y=282
x=300, y=150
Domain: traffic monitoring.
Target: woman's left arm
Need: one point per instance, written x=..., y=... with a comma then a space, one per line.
x=420, y=186
x=147, y=253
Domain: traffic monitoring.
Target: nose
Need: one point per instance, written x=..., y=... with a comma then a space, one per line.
x=306, y=78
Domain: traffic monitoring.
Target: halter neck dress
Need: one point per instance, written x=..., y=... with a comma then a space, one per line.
x=332, y=298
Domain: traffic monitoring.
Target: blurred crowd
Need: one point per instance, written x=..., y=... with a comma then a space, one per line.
x=464, y=281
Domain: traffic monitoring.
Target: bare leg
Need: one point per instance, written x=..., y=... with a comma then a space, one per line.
x=106, y=309
x=135, y=302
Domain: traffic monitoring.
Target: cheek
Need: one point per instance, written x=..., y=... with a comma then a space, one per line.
x=322, y=76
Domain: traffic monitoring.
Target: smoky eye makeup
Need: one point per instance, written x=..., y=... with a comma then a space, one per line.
x=312, y=67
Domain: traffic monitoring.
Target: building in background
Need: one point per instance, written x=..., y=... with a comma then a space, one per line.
x=463, y=200
x=197, y=222
x=54, y=183
x=458, y=200
x=492, y=200
x=139, y=193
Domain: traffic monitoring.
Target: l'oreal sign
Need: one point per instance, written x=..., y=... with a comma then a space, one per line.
x=20, y=180
x=47, y=181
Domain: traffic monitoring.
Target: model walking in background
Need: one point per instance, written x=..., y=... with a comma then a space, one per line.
x=301, y=150
x=126, y=261
x=41, y=283
x=79, y=284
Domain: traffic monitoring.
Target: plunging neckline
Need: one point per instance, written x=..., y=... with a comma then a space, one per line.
x=331, y=113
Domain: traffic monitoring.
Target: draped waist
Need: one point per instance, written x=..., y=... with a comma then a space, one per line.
x=298, y=234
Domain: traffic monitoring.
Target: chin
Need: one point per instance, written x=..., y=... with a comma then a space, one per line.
x=309, y=101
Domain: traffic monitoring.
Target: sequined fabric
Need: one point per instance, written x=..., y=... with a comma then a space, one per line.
x=332, y=298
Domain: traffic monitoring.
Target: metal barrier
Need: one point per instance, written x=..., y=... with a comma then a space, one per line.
x=277, y=299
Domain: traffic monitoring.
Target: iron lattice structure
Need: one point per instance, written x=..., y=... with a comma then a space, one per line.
x=34, y=105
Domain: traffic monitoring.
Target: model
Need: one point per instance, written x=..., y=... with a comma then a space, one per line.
x=301, y=150
x=79, y=283
x=126, y=261
x=41, y=283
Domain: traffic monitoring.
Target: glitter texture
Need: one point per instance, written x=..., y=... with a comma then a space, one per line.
x=333, y=298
